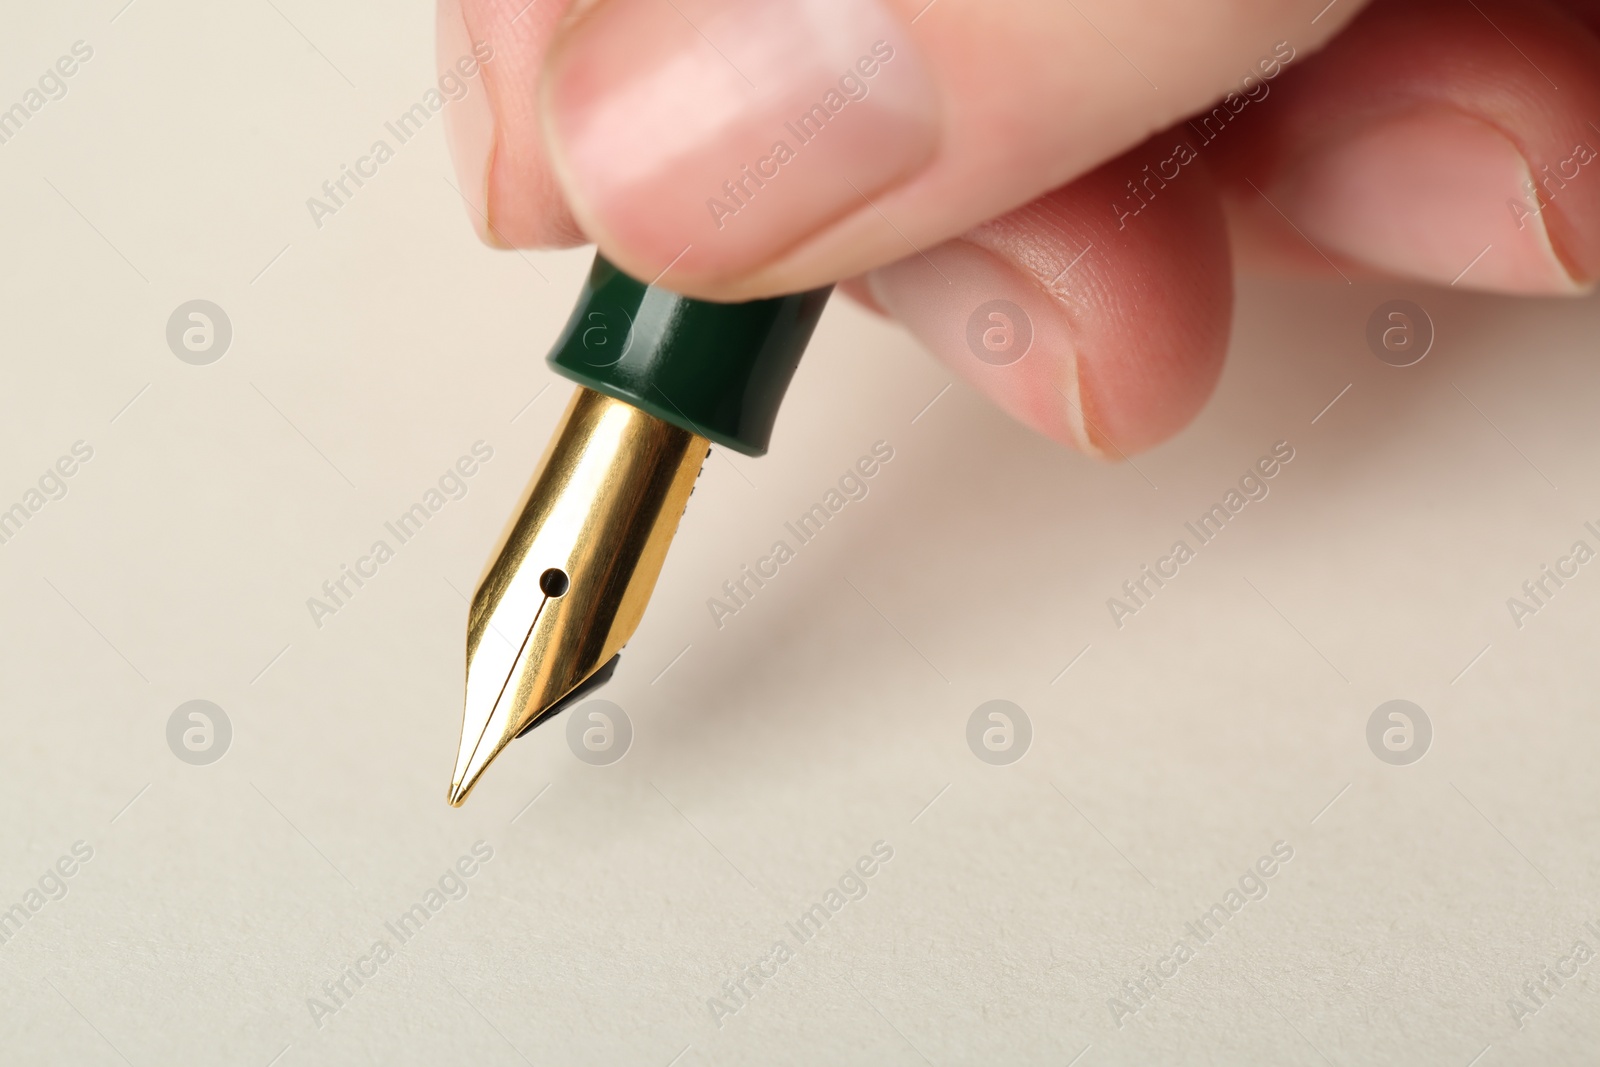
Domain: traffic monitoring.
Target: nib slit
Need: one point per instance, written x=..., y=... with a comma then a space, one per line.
x=489, y=718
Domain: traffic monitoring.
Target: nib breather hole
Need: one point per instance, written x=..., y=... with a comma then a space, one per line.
x=553, y=582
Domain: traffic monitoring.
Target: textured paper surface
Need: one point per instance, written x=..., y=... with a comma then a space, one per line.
x=1168, y=756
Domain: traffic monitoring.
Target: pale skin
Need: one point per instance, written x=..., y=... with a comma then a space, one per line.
x=1103, y=165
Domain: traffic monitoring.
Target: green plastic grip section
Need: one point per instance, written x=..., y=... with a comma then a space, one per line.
x=718, y=370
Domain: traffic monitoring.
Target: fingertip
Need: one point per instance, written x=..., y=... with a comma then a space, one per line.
x=1096, y=319
x=469, y=124
x=494, y=131
x=1444, y=143
x=995, y=327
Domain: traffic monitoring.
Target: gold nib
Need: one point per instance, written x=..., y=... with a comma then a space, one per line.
x=569, y=582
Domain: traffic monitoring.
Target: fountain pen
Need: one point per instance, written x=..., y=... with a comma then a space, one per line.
x=661, y=377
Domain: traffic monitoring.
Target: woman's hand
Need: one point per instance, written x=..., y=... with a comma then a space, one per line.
x=1067, y=179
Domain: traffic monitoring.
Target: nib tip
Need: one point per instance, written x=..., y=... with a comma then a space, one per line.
x=471, y=765
x=461, y=787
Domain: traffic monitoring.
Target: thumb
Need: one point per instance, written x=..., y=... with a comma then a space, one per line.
x=748, y=147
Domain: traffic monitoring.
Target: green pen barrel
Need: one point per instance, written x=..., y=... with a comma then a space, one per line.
x=718, y=370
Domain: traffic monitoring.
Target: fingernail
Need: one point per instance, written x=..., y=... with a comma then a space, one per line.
x=468, y=122
x=726, y=131
x=1433, y=195
x=993, y=326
